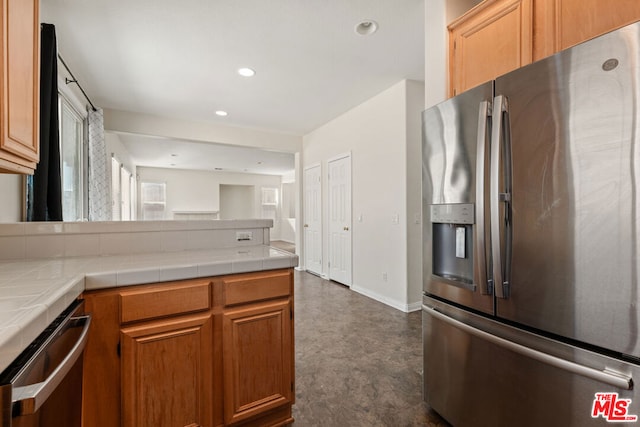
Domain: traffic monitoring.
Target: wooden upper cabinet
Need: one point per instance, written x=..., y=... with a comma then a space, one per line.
x=19, y=86
x=493, y=38
x=580, y=20
x=498, y=36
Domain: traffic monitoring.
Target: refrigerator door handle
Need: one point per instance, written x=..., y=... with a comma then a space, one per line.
x=606, y=376
x=499, y=142
x=480, y=266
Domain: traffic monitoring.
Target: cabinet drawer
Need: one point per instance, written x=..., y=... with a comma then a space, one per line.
x=256, y=287
x=164, y=300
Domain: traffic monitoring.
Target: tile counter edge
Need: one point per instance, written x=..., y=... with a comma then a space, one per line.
x=36, y=308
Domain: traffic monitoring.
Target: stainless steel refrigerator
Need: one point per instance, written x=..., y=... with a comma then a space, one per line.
x=531, y=200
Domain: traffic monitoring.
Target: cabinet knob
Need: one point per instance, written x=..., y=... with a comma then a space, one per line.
x=306, y=226
x=345, y=228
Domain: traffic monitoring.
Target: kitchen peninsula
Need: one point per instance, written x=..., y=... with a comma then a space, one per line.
x=200, y=308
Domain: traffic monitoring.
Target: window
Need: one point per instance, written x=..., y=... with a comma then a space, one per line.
x=153, y=196
x=269, y=196
x=72, y=157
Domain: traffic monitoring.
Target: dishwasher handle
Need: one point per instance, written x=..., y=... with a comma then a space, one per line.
x=29, y=398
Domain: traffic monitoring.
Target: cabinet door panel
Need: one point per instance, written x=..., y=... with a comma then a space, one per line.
x=492, y=39
x=581, y=20
x=20, y=83
x=167, y=373
x=257, y=354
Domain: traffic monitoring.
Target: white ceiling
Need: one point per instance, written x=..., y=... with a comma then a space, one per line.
x=178, y=59
x=180, y=154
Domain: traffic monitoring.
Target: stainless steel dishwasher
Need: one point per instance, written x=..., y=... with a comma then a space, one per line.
x=43, y=386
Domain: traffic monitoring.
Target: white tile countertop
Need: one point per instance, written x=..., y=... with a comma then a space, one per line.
x=33, y=292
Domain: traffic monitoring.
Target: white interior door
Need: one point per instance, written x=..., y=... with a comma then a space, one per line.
x=312, y=220
x=340, y=220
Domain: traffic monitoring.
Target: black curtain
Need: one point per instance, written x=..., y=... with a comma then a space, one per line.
x=44, y=193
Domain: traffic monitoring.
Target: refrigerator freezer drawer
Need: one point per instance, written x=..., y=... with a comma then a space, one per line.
x=479, y=372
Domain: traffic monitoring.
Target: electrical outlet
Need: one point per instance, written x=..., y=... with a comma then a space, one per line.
x=243, y=236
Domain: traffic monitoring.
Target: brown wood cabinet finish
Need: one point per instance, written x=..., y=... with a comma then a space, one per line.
x=19, y=86
x=256, y=359
x=498, y=36
x=580, y=20
x=493, y=38
x=167, y=370
x=176, y=353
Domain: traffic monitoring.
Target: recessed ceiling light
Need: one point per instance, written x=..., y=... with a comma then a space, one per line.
x=366, y=27
x=221, y=113
x=246, y=72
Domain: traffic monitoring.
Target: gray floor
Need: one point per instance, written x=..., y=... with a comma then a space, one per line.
x=358, y=362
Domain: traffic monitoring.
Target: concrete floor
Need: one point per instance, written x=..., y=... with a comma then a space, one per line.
x=358, y=361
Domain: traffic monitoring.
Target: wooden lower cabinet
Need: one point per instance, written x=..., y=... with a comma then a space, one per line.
x=257, y=360
x=167, y=372
x=202, y=352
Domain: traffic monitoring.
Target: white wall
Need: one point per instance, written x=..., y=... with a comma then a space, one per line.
x=438, y=14
x=376, y=134
x=189, y=190
x=415, y=104
x=11, y=195
x=115, y=147
x=436, y=52
x=146, y=124
x=237, y=201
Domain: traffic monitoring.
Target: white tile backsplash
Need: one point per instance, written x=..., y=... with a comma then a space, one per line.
x=12, y=247
x=201, y=239
x=82, y=239
x=145, y=242
x=44, y=228
x=44, y=246
x=115, y=243
x=12, y=229
x=81, y=245
x=173, y=241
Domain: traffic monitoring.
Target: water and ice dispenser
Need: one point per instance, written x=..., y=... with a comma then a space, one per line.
x=452, y=237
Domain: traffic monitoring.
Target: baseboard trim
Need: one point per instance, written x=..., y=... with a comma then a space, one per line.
x=406, y=308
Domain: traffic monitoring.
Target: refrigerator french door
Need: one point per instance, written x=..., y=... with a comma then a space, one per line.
x=531, y=254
